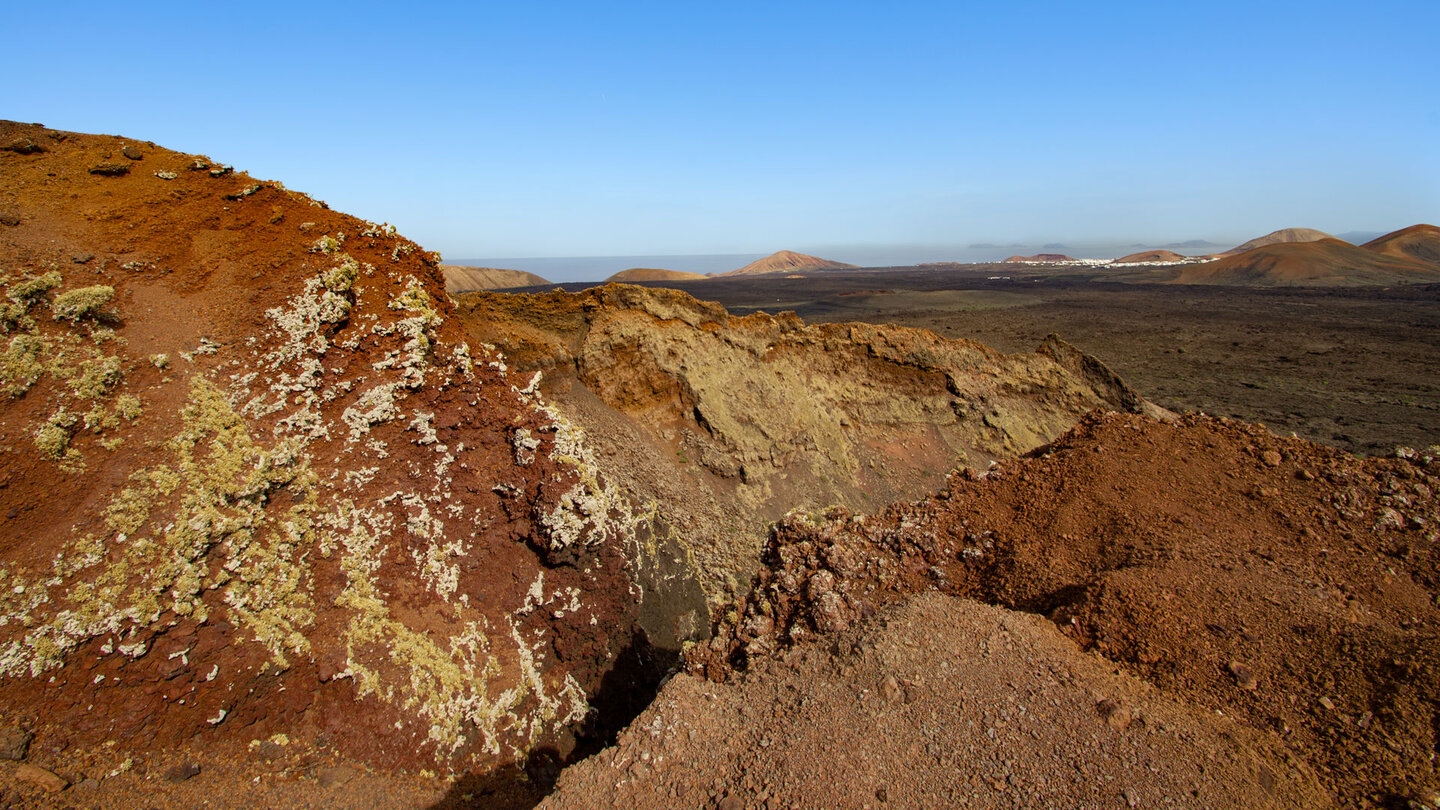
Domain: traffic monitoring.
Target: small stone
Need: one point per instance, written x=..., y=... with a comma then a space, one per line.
x=14, y=743
x=9, y=219
x=1244, y=677
x=110, y=169
x=182, y=772
x=1115, y=715
x=336, y=775
x=41, y=778
x=269, y=749
x=882, y=794
x=1391, y=519
x=1305, y=475
x=83, y=258
x=1132, y=799
x=89, y=783
x=1271, y=458
x=1327, y=703
x=131, y=152
x=23, y=146
x=732, y=803
x=890, y=688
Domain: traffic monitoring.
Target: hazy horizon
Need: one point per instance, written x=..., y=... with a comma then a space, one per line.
x=561, y=269
x=571, y=129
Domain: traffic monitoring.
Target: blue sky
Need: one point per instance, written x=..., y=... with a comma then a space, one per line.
x=575, y=129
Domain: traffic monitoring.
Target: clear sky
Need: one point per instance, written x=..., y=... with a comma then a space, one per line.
x=581, y=129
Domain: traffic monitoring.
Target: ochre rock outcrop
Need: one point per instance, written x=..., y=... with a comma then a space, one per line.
x=726, y=423
x=255, y=485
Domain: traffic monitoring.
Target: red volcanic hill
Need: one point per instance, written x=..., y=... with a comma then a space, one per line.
x=1151, y=256
x=1042, y=257
x=786, y=261
x=1284, y=235
x=256, y=485
x=1420, y=243
x=1326, y=262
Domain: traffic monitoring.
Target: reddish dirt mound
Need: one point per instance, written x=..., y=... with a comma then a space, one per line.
x=1417, y=243
x=937, y=702
x=1326, y=262
x=1151, y=256
x=255, y=486
x=1280, y=582
x=785, y=261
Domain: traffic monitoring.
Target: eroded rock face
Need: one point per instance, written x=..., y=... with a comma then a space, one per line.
x=726, y=423
x=256, y=483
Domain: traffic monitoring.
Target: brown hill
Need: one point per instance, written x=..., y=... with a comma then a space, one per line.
x=256, y=486
x=1042, y=257
x=1151, y=256
x=638, y=274
x=786, y=261
x=1322, y=263
x=1418, y=243
x=466, y=278
x=1284, y=235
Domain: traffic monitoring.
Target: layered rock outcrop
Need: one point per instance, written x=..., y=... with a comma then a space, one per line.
x=726, y=423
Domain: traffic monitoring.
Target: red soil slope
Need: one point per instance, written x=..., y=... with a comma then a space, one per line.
x=253, y=482
x=785, y=261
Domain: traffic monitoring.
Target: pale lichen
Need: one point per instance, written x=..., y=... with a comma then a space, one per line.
x=81, y=303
